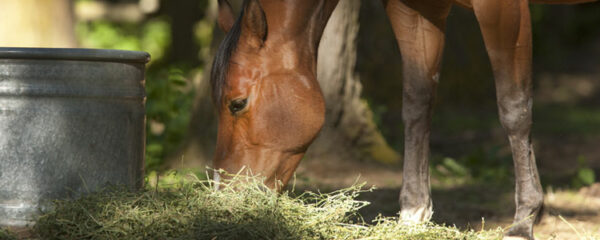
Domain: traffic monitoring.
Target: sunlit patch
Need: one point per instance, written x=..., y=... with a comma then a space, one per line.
x=216, y=179
x=436, y=77
x=416, y=215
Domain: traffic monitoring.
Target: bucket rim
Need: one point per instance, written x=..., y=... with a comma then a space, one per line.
x=85, y=54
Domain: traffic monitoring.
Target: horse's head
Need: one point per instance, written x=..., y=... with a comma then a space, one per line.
x=270, y=106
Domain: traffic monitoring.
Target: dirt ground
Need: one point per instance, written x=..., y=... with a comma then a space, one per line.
x=466, y=206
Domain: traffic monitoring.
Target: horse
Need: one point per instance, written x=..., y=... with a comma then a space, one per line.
x=270, y=106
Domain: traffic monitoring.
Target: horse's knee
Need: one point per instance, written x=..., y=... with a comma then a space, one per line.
x=417, y=105
x=533, y=201
x=515, y=115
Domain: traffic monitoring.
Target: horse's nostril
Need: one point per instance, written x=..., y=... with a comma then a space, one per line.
x=237, y=105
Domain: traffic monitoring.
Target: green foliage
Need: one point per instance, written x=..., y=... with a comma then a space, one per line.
x=455, y=167
x=244, y=208
x=584, y=175
x=6, y=235
x=567, y=120
x=378, y=111
x=203, y=32
x=450, y=173
x=152, y=37
x=168, y=112
x=489, y=165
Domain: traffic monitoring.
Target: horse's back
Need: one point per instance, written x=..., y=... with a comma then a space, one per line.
x=561, y=1
x=468, y=3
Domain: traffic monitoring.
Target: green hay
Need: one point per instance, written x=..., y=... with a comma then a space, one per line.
x=245, y=209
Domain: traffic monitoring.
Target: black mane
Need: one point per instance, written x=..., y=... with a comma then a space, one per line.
x=220, y=66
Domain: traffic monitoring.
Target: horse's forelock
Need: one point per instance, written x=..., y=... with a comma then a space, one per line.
x=220, y=66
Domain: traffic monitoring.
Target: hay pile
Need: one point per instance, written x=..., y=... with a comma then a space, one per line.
x=191, y=209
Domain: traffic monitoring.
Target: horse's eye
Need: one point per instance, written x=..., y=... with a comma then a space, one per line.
x=237, y=105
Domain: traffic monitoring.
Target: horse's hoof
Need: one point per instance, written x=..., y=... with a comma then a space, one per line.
x=416, y=215
x=516, y=238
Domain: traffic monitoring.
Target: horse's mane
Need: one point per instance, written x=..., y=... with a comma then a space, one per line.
x=220, y=66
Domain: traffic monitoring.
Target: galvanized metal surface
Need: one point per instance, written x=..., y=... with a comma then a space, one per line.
x=71, y=121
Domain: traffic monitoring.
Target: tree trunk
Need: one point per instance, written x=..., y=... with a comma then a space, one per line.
x=183, y=15
x=349, y=132
x=35, y=23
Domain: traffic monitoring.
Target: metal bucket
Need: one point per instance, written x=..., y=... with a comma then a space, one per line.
x=71, y=121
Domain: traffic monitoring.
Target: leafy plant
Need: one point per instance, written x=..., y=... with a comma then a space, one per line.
x=489, y=165
x=152, y=36
x=584, y=175
x=168, y=112
x=6, y=235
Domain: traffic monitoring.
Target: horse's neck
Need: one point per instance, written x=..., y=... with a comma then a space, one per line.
x=295, y=29
x=298, y=18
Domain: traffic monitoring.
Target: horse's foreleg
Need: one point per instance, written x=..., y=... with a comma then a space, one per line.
x=420, y=36
x=506, y=30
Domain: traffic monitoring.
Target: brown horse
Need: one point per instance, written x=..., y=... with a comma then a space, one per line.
x=271, y=108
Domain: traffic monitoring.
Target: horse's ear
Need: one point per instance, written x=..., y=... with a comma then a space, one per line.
x=255, y=23
x=225, y=18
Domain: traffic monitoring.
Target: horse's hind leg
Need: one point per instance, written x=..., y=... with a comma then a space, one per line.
x=420, y=36
x=506, y=30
